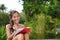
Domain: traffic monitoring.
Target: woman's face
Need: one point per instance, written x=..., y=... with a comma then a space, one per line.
x=15, y=17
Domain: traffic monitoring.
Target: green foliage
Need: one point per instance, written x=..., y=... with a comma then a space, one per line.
x=50, y=11
x=2, y=7
x=37, y=26
x=2, y=33
x=22, y=18
x=43, y=16
x=4, y=18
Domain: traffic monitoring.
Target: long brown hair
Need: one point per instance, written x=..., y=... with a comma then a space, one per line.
x=11, y=14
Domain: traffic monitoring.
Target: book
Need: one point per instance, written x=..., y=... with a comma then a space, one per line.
x=22, y=30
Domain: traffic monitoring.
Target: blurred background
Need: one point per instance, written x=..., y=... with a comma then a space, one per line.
x=43, y=16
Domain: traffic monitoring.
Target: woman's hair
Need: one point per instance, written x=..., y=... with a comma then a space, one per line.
x=11, y=14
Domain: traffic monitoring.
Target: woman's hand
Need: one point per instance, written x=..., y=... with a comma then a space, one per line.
x=13, y=33
x=15, y=27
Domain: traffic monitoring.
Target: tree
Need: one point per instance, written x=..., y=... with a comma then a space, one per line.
x=42, y=14
x=2, y=7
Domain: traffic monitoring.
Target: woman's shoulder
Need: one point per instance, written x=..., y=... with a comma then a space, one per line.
x=8, y=26
x=22, y=25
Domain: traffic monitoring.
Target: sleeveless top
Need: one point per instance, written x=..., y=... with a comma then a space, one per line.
x=11, y=29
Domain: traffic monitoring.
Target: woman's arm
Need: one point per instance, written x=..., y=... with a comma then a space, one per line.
x=10, y=36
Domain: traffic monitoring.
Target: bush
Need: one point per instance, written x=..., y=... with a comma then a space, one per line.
x=2, y=33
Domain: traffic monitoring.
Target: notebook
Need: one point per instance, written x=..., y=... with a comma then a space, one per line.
x=22, y=30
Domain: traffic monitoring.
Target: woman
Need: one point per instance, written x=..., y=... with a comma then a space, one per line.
x=13, y=26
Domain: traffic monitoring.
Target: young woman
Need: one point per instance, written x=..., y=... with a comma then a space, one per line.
x=13, y=26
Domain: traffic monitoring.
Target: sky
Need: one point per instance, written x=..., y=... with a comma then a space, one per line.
x=12, y=5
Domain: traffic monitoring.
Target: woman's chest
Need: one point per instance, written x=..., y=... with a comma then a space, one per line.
x=15, y=27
